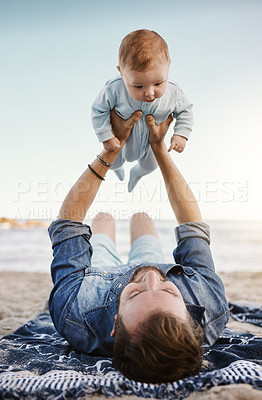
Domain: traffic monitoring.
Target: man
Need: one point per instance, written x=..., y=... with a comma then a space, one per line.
x=152, y=317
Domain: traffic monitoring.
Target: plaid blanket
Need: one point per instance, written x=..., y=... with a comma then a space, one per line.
x=36, y=363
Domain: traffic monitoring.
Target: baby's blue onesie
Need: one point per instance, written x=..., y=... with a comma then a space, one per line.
x=115, y=95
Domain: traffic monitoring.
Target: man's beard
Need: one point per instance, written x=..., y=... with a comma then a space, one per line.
x=137, y=271
x=147, y=268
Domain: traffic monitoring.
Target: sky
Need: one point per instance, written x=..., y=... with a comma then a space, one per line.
x=57, y=55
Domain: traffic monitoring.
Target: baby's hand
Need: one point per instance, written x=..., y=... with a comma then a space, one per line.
x=111, y=144
x=178, y=143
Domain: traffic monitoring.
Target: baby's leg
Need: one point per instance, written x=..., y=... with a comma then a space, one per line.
x=117, y=167
x=120, y=173
x=144, y=166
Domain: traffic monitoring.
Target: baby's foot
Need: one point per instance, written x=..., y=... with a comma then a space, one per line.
x=111, y=144
x=135, y=176
x=120, y=173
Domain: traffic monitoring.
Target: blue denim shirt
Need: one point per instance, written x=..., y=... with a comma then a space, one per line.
x=83, y=301
x=115, y=95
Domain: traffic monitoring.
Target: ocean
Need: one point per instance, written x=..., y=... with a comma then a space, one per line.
x=236, y=245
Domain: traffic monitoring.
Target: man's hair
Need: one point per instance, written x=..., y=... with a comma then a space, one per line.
x=165, y=349
x=142, y=50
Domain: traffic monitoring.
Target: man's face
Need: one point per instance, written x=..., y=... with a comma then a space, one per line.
x=147, y=293
x=146, y=85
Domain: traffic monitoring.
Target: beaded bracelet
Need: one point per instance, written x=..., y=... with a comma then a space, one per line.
x=94, y=172
x=103, y=161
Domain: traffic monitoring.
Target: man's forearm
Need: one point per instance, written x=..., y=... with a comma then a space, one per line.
x=82, y=194
x=181, y=198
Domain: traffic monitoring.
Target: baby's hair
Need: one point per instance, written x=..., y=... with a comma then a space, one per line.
x=142, y=50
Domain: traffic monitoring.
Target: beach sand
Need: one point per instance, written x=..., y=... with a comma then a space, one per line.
x=24, y=295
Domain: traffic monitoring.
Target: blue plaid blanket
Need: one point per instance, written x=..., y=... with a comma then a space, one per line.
x=36, y=363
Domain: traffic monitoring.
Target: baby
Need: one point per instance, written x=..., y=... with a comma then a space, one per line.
x=143, y=85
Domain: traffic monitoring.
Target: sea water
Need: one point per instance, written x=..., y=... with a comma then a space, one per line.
x=236, y=245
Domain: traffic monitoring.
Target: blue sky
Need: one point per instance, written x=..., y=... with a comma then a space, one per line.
x=56, y=56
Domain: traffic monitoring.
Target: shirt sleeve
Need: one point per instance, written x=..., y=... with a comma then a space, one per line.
x=72, y=253
x=183, y=114
x=193, y=240
x=101, y=114
x=193, y=250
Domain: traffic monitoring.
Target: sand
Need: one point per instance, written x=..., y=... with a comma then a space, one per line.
x=23, y=295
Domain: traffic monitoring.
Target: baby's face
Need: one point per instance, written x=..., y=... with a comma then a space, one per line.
x=146, y=85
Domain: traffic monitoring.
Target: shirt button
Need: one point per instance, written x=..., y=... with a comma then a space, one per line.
x=120, y=285
x=105, y=273
x=145, y=107
x=179, y=273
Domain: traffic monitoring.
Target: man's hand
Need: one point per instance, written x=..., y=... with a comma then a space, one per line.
x=122, y=128
x=177, y=143
x=111, y=144
x=157, y=132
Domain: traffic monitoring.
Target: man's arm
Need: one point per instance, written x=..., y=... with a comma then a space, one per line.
x=192, y=235
x=182, y=199
x=72, y=251
x=82, y=194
